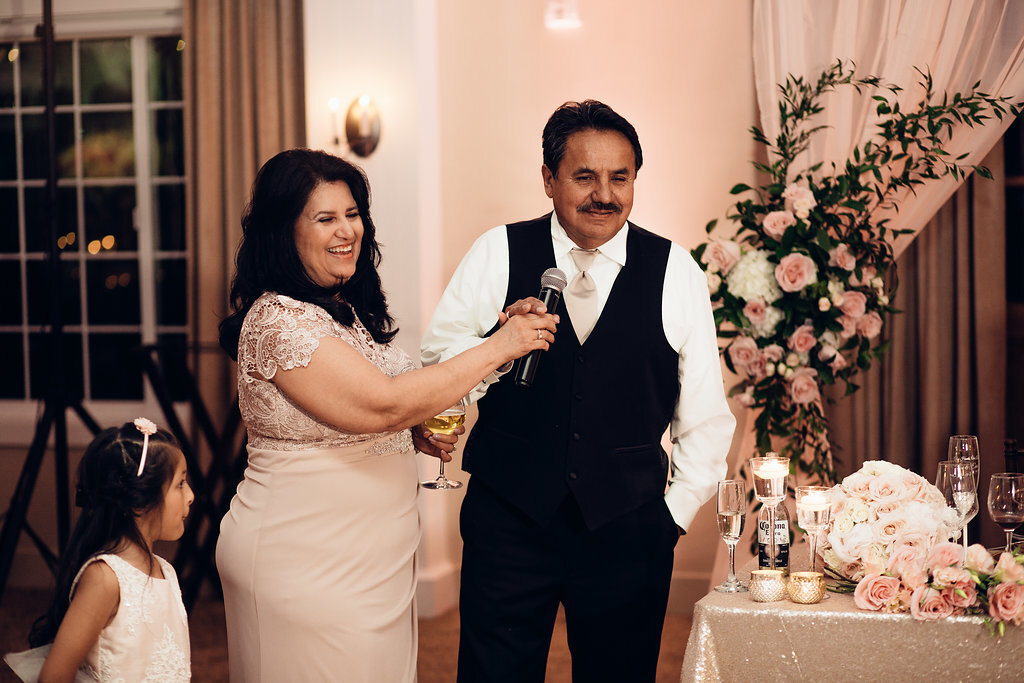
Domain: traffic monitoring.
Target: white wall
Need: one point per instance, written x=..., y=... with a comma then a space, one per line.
x=464, y=88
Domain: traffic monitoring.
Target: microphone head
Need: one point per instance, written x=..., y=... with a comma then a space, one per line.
x=553, y=278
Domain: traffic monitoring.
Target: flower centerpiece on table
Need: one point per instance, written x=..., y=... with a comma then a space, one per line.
x=947, y=581
x=801, y=286
x=880, y=507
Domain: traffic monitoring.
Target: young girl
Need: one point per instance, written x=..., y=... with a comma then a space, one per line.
x=117, y=613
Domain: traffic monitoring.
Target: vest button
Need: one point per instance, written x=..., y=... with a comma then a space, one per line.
x=579, y=397
x=580, y=358
x=575, y=436
x=572, y=475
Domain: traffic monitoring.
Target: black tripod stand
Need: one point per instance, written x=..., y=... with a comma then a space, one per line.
x=57, y=400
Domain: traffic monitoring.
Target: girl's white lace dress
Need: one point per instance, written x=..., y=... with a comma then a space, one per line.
x=146, y=641
x=316, y=554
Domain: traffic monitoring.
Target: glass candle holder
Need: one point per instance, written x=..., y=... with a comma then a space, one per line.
x=806, y=588
x=767, y=585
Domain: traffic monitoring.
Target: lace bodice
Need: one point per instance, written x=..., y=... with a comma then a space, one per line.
x=281, y=333
x=147, y=640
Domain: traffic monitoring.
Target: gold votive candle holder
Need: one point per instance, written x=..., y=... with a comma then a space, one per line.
x=806, y=588
x=767, y=585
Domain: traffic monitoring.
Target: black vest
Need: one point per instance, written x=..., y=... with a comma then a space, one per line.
x=591, y=424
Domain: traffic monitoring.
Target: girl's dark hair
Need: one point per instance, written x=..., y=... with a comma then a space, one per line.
x=573, y=117
x=268, y=260
x=111, y=495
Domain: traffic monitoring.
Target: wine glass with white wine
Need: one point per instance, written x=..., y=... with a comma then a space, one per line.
x=446, y=422
x=732, y=513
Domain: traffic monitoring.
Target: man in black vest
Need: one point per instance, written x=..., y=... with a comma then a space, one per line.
x=572, y=499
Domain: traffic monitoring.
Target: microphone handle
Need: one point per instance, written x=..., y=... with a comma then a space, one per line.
x=526, y=367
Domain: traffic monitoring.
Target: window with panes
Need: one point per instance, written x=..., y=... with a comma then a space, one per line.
x=120, y=212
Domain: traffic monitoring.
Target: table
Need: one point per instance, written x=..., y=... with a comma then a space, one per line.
x=734, y=638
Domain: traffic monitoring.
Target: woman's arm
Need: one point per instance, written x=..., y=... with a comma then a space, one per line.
x=93, y=606
x=344, y=389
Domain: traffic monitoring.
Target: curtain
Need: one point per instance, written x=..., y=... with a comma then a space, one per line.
x=959, y=42
x=244, y=103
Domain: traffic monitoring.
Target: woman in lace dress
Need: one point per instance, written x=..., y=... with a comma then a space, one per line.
x=117, y=613
x=316, y=554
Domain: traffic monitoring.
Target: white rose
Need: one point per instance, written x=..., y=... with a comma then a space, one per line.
x=714, y=281
x=824, y=304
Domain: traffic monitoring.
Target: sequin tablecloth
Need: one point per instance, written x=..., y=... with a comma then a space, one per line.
x=736, y=639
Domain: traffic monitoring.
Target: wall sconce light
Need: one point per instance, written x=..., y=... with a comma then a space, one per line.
x=362, y=125
x=561, y=14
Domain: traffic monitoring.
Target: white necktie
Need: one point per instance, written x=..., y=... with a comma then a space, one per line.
x=581, y=294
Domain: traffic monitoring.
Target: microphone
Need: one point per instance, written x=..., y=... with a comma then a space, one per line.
x=552, y=282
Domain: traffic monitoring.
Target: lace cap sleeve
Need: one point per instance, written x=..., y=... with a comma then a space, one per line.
x=281, y=333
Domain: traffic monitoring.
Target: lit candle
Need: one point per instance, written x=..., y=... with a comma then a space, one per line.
x=772, y=469
x=813, y=500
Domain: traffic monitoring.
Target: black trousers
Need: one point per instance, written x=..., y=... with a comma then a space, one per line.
x=613, y=583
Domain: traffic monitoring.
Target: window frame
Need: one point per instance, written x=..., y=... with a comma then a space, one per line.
x=19, y=417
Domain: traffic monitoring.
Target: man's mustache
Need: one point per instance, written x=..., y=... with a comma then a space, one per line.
x=598, y=206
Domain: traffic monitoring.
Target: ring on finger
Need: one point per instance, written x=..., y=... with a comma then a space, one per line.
x=540, y=334
x=452, y=450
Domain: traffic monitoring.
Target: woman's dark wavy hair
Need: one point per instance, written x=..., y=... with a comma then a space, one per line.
x=111, y=496
x=573, y=117
x=268, y=260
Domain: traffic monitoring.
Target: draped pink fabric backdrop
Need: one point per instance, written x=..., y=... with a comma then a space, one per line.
x=946, y=372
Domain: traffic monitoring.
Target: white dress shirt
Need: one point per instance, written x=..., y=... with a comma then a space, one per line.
x=702, y=425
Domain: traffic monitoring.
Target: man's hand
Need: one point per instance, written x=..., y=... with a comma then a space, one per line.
x=523, y=306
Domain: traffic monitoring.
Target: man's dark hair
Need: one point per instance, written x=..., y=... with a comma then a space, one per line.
x=573, y=117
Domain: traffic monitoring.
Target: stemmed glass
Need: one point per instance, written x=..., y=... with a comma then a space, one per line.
x=956, y=482
x=964, y=448
x=769, y=475
x=732, y=513
x=445, y=423
x=1006, y=502
x=813, y=510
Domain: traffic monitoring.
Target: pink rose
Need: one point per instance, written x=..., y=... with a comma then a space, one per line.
x=803, y=386
x=801, y=199
x=945, y=554
x=758, y=368
x=849, y=326
x=773, y=352
x=742, y=352
x=755, y=311
x=803, y=339
x=1008, y=569
x=795, y=271
x=951, y=577
x=867, y=275
x=876, y=591
x=1006, y=602
x=885, y=487
x=979, y=559
x=854, y=304
x=838, y=363
x=953, y=596
x=870, y=325
x=842, y=256
x=901, y=555
x=722, y=255
x=776, y=222
x=928, y=604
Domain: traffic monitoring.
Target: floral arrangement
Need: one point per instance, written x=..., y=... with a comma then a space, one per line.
x=876, y=510
x=947, y=581
x=801, y=286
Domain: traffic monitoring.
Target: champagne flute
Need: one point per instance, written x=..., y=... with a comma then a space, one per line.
x=732, y=513
x=769, y=474
x=956, y=482
x=964, y=448
x=813, y=511
x=445, y=423
x=1006, y=503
